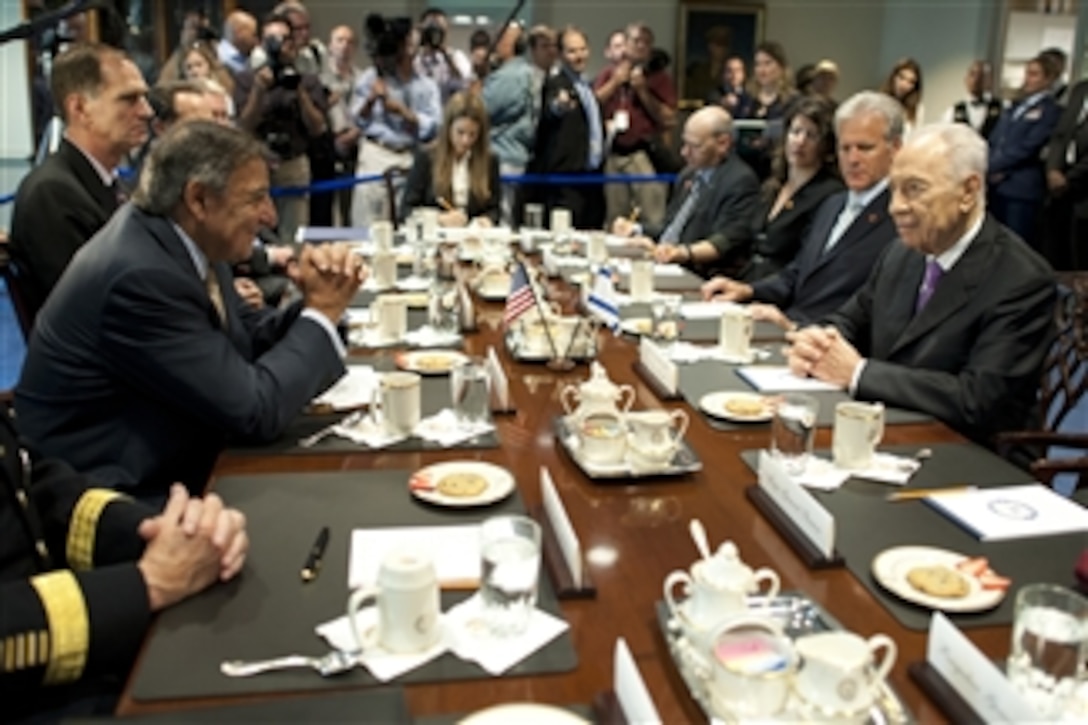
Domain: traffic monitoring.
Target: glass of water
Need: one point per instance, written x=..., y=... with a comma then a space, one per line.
x=444, y=307
x=534, y=216
x=470, y=388
x=665, y=318
x=793, y=429
x=510, y=549
x=1046, y=661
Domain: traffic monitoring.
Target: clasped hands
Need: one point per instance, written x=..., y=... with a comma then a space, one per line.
x=822, y=353
x=329, y=276
x=191, y=544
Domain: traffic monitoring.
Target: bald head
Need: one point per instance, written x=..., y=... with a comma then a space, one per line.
x=240, y=29
x=708, y=137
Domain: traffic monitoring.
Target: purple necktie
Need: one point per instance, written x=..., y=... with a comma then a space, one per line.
x=934, y=272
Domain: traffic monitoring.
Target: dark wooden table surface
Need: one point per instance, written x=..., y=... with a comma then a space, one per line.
x=632, y=535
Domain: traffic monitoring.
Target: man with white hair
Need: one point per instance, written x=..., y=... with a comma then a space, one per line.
x=850, y=230
x=956, y=319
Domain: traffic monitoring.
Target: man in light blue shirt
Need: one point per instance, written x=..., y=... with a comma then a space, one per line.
x=239, y=40
x=508, y=95
x=396, y=109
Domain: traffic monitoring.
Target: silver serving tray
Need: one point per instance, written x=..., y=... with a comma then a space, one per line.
x=521, y=356
x=798, y=615
x=684, y=462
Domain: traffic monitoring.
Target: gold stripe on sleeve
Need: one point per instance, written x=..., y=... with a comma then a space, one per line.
x=69, y=627
x=84, y=525
x=9, y=654
x=20, y=651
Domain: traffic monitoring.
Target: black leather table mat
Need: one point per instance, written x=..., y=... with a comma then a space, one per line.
x=434, y=396
x=268, y=611
x=379, y=705
x=707, y=330
x=866, y=524
x=707, y=376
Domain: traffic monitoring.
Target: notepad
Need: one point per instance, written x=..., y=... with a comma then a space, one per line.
x=1012, y=512
x=779, y=379
x=455, y=549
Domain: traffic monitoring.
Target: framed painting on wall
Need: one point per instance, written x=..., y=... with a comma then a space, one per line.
x=708, y=32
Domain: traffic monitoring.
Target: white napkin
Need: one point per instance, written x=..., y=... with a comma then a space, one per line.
x=685, y=352
x=471, y=640
x=444, y=429
x=368, y=433
x=822, y=474
x=382, y=664
x=354, y=389
x=427, y=336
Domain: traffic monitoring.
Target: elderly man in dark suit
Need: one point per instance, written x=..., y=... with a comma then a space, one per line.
x=956, y=319
x=570, y=135
x=145, y=361
x=708, y=223
x=100, y=96
x=849, y=231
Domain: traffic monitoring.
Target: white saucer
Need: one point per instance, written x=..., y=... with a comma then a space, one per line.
x=890, y=568
x=713, y=404
x=523, y=713
x=500, y=483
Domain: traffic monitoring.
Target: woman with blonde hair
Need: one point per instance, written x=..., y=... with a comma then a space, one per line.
x=460, y=175
x=195, y=61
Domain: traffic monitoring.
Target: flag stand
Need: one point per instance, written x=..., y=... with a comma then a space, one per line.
x=556, y=363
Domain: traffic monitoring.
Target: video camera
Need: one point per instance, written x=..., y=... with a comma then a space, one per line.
x=431, y=35
x=285, y=74
x=384, y=39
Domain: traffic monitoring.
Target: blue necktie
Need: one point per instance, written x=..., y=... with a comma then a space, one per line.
x=676, y=226
x=593, y=121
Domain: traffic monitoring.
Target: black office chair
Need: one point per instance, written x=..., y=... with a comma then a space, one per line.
x=391, y=177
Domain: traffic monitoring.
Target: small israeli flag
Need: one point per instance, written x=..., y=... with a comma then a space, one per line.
x=602, y=300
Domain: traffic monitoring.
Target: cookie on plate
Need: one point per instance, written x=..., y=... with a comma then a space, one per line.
x=462, y=485
x=745, y=406
x=939, y=581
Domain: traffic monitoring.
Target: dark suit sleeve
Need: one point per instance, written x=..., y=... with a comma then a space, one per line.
x=1063, y=131
x=156, y=333
x=418, y=185
x=733, y=221
x=1006, y=356
x=1022, y=149
x=854, y=318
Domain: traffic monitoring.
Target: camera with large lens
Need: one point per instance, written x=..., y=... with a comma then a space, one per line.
x=384, y=39
x=658, y=61
x=431, y=35
x=284, y=74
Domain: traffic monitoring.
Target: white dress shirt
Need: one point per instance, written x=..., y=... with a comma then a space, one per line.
x=460, y=182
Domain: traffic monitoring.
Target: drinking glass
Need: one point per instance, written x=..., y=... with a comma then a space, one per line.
x=510, y=570
x=665, y=318
x=444, y=307
x=470, y=389
x=793, y=429
x=1046, y=660
x=534, y=216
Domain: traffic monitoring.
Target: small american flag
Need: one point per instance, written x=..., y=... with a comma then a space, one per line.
x=521, y=298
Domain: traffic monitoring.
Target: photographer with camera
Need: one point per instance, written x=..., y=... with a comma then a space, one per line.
x=451, y=70
x=395, y=108
x=285, y=109
x=638, y=100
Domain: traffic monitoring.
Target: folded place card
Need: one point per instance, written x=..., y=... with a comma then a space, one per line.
x=705, y=310
x=779, y=379
x=1012, y=512
x=561, y=526
x=630, y=688
x=468, y=308
x=455, y=550
x=500, y=385
x=655, y=361
x=973, y=675
x=812, y=520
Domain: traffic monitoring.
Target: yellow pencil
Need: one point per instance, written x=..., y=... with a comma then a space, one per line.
x=917, y=493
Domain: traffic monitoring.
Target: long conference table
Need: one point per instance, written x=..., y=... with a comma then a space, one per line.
x=633, y=534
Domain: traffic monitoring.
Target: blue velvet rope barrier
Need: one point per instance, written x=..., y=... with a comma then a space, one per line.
x=347, y=182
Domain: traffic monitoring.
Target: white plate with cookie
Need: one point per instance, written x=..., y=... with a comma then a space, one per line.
x=737, y=407
x=461, y=484
x=430, y=362
x=928, y=576
x=637, y=326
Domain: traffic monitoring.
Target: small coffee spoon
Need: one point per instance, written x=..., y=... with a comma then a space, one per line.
x=698, y=535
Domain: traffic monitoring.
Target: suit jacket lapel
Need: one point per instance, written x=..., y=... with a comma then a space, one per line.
x=870, y=218
x=87, y=176
x=955, y=289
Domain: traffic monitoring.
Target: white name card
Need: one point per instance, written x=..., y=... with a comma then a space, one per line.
x=561, y=526
x=549, y=262
x=973, y=676
x=658, y=365
x=500, y=385
x=630, y=688
x=814, y=521
x=468, y=309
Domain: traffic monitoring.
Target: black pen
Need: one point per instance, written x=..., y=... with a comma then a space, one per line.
x=313, y=560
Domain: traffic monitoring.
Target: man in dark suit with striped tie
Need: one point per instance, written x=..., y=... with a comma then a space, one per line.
x=849, y=232
x=954, y=320
x=101, y=97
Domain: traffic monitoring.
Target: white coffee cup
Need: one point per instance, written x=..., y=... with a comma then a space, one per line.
x=621, y=121
x=384, y=267
x=839, y=674
x=407, y=598
x=859, y=428
x=428, y=218
x=743, y=685
x=392, y=316
x=603, y=438
x=655, y=435
x=398, y=400
x=381, y=233
x=597, y=248
x=560, y=221
x=735, y=333
x=642, y=280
